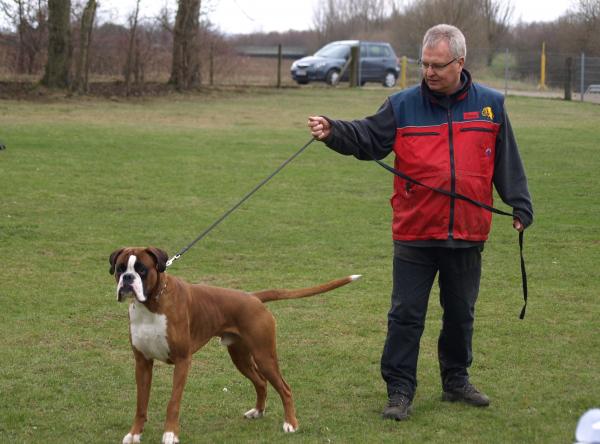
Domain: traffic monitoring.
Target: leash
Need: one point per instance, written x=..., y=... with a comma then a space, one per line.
x=237, y=205
x=459, y=196
x=394, y=171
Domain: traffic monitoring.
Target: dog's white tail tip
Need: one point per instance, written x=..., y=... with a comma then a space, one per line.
x=355, y=277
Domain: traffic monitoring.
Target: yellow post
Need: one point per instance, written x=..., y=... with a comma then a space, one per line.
x=542, y=84
x=403, y=72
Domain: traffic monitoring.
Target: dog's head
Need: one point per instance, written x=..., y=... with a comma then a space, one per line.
x=137, y=271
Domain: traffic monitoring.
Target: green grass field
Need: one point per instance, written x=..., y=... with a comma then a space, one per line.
x=82, y=177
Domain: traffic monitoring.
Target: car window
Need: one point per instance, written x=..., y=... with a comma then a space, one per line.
x=379, y=51
x=334, y=51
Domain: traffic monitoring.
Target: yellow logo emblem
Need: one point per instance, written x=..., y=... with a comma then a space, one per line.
x=487, y=112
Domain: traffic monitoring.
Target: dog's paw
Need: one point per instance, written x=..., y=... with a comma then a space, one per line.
x=288, y=428
x=170, y=438
x=254, y=414
x=132, y=439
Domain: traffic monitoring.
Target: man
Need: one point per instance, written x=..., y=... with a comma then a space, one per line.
x=452, y=134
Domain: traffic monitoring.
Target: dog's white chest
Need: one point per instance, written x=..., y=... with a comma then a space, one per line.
x=148, y=332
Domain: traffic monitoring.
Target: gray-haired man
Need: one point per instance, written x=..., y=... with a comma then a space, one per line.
x=452, y=134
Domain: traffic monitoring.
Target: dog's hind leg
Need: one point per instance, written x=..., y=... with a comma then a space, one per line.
x=241, y=357
x=260, y=340
x=268, y=366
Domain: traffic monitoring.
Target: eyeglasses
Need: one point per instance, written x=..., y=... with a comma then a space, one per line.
x=436, y=67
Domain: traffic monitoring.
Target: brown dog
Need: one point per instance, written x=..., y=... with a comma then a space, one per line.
x=170, y=320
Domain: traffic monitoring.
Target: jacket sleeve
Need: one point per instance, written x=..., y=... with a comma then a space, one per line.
x=509, y=175
x=371, y=137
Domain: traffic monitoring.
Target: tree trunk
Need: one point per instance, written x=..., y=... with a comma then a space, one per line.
x=59, y=44
x=131, y=63
x=185, y=71
x=85, y=40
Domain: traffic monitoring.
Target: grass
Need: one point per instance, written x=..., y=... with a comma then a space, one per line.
x=83, y=177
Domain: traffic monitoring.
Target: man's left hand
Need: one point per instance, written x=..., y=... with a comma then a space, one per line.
x=518, y=225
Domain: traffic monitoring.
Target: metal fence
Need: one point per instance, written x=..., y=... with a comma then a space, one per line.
x=551, y=74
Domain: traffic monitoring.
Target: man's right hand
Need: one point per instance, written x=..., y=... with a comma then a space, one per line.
x=319, y=127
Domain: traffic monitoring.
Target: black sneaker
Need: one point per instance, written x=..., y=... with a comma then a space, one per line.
x=398, y=407
x=467, y=394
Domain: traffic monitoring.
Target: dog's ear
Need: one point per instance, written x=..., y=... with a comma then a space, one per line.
x=113, y=259
x=160, y=256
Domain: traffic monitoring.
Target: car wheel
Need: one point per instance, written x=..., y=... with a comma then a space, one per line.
x=389, y=80
x=333, y=77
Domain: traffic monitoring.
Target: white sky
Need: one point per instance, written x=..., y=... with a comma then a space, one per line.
x=246, y=16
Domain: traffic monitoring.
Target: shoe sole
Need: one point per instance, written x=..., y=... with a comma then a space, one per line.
x=450, y=397
x=396, y=416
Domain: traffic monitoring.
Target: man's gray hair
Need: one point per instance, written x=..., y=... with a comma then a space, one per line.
x=450, y=34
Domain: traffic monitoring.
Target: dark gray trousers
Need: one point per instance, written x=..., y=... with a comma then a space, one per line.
x=414, y=272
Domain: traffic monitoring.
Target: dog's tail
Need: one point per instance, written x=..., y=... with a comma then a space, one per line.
x=280, y=294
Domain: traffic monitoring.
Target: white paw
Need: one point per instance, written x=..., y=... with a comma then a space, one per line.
x=132, y=439
x=254, y=414
x=169, y=438
x=288, y=428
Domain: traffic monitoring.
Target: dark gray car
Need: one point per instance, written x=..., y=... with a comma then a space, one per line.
x=378, y=63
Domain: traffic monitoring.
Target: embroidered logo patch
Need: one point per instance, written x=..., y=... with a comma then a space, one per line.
x=470, y=115
x=487, y=112
x=488, y=152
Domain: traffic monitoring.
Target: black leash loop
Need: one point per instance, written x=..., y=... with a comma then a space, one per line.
x=523, y=275
x=237, y=205
x=455, y=196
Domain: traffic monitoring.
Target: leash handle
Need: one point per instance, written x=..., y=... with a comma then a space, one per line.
x=237, y=205
x=523, y=274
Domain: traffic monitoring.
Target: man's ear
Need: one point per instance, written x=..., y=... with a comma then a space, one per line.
x=160, y=256
x=113, y=259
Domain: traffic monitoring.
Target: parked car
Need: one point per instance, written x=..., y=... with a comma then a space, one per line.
x=378, y=63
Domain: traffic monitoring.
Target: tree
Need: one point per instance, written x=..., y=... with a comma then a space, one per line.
x=338, y=19
x=130, y=63
x=496, y=15
x=587, y=16
x=29, y=19
x=185, y=70
x=80, y=82
x=59, y=44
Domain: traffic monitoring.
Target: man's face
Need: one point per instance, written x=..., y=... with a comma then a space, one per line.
x=440, y=75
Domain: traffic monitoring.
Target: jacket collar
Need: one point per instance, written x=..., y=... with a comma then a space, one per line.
x=444, y=100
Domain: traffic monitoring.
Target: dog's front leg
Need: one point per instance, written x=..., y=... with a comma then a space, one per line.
x=143, y=379
x=182, y=367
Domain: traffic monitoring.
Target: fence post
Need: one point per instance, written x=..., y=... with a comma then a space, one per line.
x=211, y=64
x=568, y=74
x=403, y=72
x=279, y=56
x=542, y=84
x=506, y=72
x=354, y=66
x=582, y=80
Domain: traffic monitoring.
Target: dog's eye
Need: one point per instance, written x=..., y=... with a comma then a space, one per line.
x=140, y=269
x=121, y=268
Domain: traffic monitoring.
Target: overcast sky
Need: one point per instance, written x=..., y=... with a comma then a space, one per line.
x=246, y=16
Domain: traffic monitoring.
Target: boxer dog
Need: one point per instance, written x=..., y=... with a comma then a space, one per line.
x=170, y=320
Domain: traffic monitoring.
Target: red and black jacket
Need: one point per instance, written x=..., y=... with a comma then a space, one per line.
x=462, y=143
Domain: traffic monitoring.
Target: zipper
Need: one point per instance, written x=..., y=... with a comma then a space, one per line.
x=482, y=130
x=420, y=134
x=452, y=176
